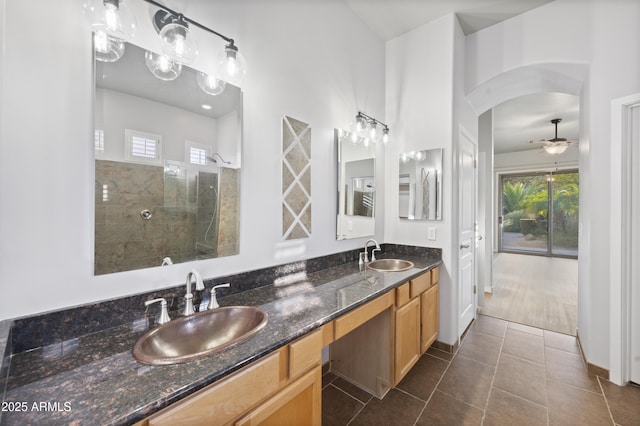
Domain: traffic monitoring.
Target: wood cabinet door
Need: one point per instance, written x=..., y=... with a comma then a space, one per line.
x=300, y=403
x=429, y=317
x=407, y=347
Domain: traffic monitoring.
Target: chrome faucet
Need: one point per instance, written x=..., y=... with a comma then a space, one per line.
x=163, y=318
x=364, y=256
x=213, y=302
x=188, y=297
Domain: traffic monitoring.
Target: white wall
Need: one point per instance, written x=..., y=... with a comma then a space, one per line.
x=121, y=111
x=425, y=106
x=229, y=138
x=314, y=61
x=603, y=38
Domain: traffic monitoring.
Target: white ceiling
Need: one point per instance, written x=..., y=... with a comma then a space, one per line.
x=517, y=121
x=391, y=18
x=528, y=118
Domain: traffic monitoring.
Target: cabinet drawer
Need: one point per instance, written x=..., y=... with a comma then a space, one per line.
x=300, y=403
x=420, y=284
x=359, y=316
x=304, y=353
x=220, y=401
x=402, y=295
x=435, y=275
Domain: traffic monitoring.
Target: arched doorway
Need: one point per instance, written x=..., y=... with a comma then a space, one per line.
x=517, y=83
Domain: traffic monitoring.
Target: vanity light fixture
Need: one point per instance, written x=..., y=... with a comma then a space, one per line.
x=113, y=24
x=367, y=128
x=173, y=28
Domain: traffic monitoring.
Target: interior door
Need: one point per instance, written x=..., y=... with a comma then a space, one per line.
x=467, y=230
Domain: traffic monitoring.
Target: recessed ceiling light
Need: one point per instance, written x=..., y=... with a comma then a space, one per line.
x=206, y=106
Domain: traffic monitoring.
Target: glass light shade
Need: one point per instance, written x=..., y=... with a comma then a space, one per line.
x=210, y=84
x=162, y=66
x=361, y=126
x=107, y=48
x=374, y=133
x=232, y=66
x=112, y=17
x=176, y=43
x=555, y=148
x=385, y=135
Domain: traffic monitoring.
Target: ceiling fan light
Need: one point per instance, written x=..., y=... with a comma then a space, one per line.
x=555, y=149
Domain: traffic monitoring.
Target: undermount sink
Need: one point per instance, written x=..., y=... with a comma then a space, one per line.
x=390, y=265
x=198, y=335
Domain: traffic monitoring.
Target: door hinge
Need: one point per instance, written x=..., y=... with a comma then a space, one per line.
x=475, y=163
x=475, y=289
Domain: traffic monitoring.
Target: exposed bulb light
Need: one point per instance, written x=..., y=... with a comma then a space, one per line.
x=233, y=67
x=107, y=48
x=175, y=41
x=210, y=84
x=373, y=132
x=385, y=135
x=162, y=66
x=111, y=17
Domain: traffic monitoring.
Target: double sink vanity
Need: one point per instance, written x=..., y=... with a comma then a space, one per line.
x=375, y=324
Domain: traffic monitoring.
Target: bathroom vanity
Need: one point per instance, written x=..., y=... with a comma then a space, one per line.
x=373, y=346
x=376, y=325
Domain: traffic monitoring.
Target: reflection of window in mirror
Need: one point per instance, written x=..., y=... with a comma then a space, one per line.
x=197, y=153
x=142, y=147
x=99, y=142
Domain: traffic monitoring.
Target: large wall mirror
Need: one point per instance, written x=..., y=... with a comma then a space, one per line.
x=167, y=167
x=356, y=187
x=420, y=185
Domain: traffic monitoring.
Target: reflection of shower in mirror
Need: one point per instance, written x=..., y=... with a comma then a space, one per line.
x=213, y=159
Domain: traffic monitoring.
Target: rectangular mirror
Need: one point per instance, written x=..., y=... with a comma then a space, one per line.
x=420, y=185
x=356, y=187
x=167, y=167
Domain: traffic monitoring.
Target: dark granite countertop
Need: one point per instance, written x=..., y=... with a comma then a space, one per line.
x=94, y=380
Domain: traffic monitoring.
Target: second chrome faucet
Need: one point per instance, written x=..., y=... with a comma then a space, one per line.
x=188, y=297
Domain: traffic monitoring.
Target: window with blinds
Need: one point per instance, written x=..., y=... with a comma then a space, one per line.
x=196, y=153
x=142, y=147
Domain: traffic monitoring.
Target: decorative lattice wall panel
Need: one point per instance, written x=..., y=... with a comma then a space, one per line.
x=296, y=179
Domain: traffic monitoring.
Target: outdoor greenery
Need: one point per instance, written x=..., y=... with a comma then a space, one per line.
x=526, y=206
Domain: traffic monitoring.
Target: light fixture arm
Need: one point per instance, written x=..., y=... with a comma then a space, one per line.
x=180, y=16
x=372, y=120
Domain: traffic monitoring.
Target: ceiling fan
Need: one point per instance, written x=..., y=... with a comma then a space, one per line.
x=556, y=145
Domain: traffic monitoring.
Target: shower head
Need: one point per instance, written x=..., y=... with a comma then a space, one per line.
x=215, y=161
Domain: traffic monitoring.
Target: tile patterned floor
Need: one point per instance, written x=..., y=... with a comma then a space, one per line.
x=503, y=374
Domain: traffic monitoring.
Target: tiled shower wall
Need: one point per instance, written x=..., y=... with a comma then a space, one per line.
x=124, y=240
x=229, y=212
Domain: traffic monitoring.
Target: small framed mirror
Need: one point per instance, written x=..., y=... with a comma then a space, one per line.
x=356, y=187
x=420, y=185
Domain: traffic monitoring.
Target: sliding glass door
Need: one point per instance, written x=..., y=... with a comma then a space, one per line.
x=540, y=213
